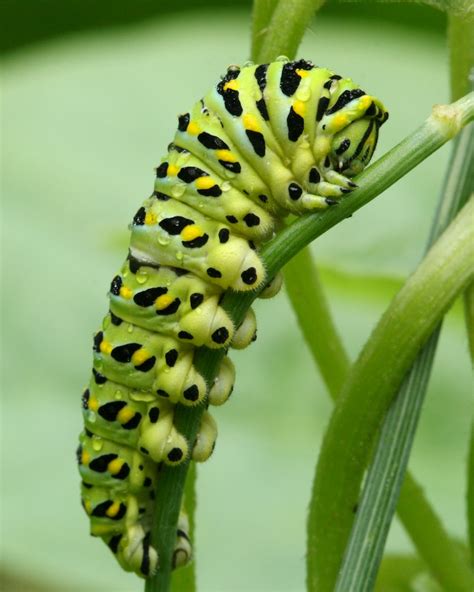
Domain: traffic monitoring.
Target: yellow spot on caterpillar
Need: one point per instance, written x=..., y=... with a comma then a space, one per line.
x=163, y=301
x=299, y=107
x=302, y=73
x=192, y=231
x=173, y=170
x=125, y=292
x=365, y=101
x=115, y=466
x=225, y=155
x=251, y=123
x=150, y=218
x=231, y=85
x=193, y=128
x=85, y=457
x=204, y=183
x=105, y=347
x=93, y=404
x=125, y=414
x=140, y=356
x=113, y=510
x=341, y=120
x=88, y=506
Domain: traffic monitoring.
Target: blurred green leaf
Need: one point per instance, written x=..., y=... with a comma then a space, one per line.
x=404, y=573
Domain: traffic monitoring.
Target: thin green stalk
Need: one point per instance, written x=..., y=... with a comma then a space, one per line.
x=286, y=28
x=261, y=15
x=470, y=495
x=444, y=123
x=374, y=380
x=386, y=473
x=309, y=302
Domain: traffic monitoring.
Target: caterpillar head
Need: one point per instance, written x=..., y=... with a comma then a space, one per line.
x=353, y=147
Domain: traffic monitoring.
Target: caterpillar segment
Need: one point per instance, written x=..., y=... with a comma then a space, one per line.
x=268, y=140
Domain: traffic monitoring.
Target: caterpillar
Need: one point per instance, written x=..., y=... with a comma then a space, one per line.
x=266, y=141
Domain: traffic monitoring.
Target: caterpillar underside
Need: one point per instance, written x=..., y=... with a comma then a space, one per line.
x=266, y=141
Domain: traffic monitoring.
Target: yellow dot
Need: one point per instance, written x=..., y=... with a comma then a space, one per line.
x=225, y=155
x=204, y=183
x=105, y=347
x=251, y=123
x=126, y=292
x=193, y=128
x=302, y=73
x=150, y=218
x=140, y=356
x=93, y=404
x=173, y=170
x=299, y=107
x=125, y=414
x=365, y=101
x=85, y=457
x=190, y=232
x=115, y=466
x=88, y=506
x=163, y=301
x=340, y=120
x=113, y=510
x=231, y=85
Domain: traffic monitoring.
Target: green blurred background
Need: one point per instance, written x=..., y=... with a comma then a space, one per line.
x=89, y=103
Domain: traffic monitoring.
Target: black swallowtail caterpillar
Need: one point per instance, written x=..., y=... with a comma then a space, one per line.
x=266, y=141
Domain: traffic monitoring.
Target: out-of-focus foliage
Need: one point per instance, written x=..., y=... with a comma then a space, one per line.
x=85, y=119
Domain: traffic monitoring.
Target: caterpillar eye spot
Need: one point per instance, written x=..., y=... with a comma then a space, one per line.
x=222, y=191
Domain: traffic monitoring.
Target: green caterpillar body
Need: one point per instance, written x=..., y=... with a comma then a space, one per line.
x=266, y=141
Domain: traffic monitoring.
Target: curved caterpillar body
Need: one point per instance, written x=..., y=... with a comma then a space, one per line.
x=266, y=141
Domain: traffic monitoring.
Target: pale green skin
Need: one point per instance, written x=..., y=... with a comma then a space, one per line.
x=231, y=175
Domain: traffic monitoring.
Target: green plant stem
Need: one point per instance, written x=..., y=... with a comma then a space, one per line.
x=286, y=28
x=309, y=302
x=470, y=495
x=374, y=380
x=443, y=124
x=261, y=15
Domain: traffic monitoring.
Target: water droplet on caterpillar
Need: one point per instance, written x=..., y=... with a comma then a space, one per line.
x=163, y=240
x=106, y=322
x=141, y=276
x=130, y=328
x=303, y=94
x=248, y=64
x=229, y=174
x=178, y=189
x=179, y=255
x=118, y=394
x=282, y=58
x=124, y=270
x=97, y=443
x=225, y=186
x=91, y=416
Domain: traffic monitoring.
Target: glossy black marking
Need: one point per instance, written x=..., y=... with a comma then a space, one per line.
x=191, y=393
x=139, y=218
x=183, y=122
x=233, y=167
x=147, y=482
x=148, y=297
x=363, y=140
x=262, y=108
x=175, y=454
x=290, y=79
x=134, y=264
x=98, y=337
x=175, y=224
x=87, y=485
x=343, y=146
x=154, y=414
x=195, y=300
x=171, y=356
x=327, y=162
x=251, y=220
x=114, y=543
x=249, y=276
x=231, y=99
x=145, y=564
x=182, y=534
x=115, y=320
x=295, y=125
x=85, y=399
x=79, y=454
x=162, y=170
x=185, y=335
x=191, y=173
x=144, y=450
x=314, y=176
x=220, y=335
x=212, y=142
x=214, y=191
x=124, y=353
x=327, y=85
x=263, y=198
x=161, y=196
x=252, y=245
x=99, y=464
x=231, y=219
x=176, y=148
x=261, y=76
x=109, y=411
x=197, y=242
x=123, y=473
x=330, y=201
x=224, y=235
x=371, y=110
x=98, y=377
x=147, y=365
x=257, y=140
x=322, y=106
x=132, y=423
x=170, y=309
x=294, y=191
x=213, y=272
x=100, y=511
x=345, y=97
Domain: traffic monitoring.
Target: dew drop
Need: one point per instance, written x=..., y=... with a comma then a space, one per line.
x=163, y=240
x=303, y=94
x=141, y=276
x=282, y=58
x=97, y=443
x=118, y=394
x=91, y=416
x=225, y=186
x=248, y=64
x=179, y=255
x=178, y=189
